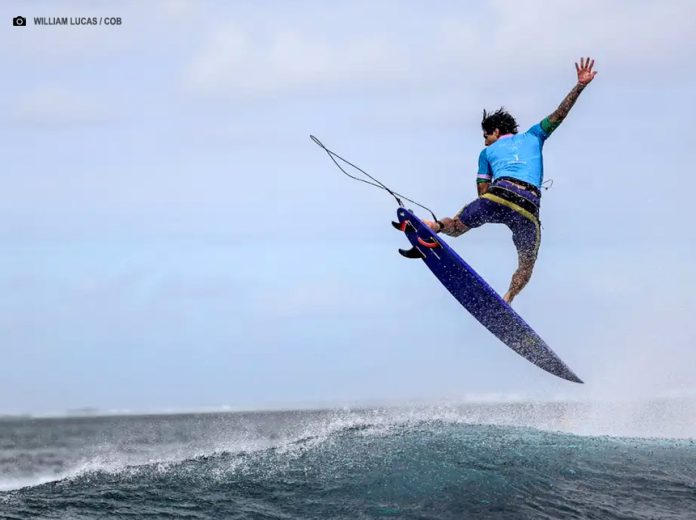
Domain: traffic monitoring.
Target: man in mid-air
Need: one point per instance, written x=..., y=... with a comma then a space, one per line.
x=510, y=174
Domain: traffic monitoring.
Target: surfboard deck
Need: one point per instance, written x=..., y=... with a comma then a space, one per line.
x=479, y=298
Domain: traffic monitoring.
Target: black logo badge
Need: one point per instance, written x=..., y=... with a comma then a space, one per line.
x=19, y=21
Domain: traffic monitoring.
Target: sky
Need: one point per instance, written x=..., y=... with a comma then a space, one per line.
x=171, y=239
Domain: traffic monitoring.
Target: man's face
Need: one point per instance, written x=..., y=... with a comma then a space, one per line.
x=491, y=138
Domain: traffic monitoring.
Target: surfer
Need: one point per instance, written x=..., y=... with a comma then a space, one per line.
x=509, y=178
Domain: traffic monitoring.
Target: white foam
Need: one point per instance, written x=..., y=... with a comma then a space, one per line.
x=667, y=418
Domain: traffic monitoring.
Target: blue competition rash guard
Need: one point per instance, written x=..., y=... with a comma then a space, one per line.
x=517, y=156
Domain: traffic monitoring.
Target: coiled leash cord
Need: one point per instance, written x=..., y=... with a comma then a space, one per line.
x=333, y=155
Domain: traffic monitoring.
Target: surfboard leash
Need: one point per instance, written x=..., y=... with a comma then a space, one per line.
x=333, y=155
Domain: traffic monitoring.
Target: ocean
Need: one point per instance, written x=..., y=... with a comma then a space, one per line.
x=502, y=461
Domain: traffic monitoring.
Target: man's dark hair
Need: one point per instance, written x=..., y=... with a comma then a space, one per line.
x=499, y=119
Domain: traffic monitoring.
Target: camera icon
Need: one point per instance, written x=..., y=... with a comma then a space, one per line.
x=19, y=21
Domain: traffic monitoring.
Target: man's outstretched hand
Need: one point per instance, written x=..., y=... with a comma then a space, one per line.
x=585, y=72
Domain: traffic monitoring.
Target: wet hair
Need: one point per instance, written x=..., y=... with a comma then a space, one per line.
x=499, y=119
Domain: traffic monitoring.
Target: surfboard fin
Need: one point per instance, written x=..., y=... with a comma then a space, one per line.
x=414, y=253
x=403, y=226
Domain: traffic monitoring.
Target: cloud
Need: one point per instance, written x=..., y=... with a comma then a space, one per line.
x=59, y=106
x=234, y=62
x=510, y=43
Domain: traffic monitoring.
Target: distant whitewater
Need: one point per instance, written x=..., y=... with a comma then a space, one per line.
x=476, y=461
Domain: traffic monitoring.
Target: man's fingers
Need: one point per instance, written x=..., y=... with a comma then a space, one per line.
x=591, y=65
x=577, y=69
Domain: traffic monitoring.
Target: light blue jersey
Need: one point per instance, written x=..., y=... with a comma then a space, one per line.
x=517, y=156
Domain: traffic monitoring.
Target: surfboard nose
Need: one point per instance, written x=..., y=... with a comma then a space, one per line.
x=570, y=376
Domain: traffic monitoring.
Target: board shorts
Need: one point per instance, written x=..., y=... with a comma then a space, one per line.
x=512, y=205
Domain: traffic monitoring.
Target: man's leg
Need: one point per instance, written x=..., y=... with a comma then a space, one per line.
x=526, y=235
x=474, y=214
x=520, y=277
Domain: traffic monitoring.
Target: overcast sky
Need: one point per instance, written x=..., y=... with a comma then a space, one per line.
x=172, y=239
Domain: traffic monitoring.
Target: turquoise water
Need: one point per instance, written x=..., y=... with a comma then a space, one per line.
x=334, y=464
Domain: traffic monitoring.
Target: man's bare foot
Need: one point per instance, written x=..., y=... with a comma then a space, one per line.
x=434, y=226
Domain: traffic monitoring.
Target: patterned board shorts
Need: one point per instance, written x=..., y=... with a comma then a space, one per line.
x=509, y=204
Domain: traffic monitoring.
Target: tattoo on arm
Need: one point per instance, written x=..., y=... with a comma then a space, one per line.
x=562, y=111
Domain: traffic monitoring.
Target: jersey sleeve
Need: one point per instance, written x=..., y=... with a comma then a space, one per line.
x=485, y=173
x=542, y=130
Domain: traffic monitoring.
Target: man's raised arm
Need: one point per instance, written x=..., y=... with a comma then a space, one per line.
x=585, y=76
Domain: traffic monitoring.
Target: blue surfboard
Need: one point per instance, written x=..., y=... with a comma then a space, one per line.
x=479, y=298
